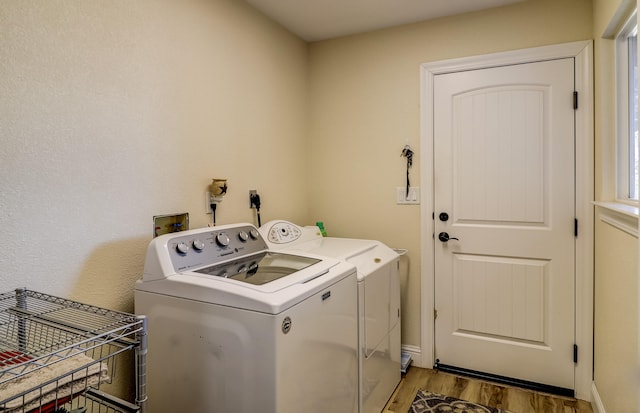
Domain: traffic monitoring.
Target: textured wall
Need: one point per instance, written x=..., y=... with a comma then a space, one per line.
x=113, y=112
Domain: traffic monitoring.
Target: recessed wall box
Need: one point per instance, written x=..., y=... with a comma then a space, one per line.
x=165, y=224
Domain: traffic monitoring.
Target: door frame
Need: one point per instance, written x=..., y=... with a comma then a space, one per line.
x=582, y=52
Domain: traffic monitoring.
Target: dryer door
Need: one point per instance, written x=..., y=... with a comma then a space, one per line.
x=378, y=319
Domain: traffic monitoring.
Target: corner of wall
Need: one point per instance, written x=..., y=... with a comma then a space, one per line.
x=416, y=355
x=596, y=402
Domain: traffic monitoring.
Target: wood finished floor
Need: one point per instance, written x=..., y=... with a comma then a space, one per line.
x=513, y=399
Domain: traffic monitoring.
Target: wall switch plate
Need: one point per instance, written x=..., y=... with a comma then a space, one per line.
x=412, y=199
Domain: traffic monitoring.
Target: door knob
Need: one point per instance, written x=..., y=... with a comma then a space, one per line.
x=444, y=237
x=443, y=216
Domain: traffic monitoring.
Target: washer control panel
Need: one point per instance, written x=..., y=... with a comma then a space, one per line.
x=207, y=246
x=283, y=233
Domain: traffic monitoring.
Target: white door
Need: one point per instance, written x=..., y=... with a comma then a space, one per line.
x=504, y=175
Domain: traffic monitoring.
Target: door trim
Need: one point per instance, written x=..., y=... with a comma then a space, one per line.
x=582, y=52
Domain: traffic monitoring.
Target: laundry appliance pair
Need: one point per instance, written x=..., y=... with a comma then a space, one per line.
x=240, y=324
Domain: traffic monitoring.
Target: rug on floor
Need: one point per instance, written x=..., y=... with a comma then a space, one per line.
x=427, y=402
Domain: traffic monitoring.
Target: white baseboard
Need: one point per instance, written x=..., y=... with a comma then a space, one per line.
x=416, y=355
x=596, y=402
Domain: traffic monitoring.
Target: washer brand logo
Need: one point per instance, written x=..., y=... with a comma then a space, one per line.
x=286, y=325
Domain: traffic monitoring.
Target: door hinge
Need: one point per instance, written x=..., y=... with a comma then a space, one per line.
x=575, y=227
x=575, y=100
x=435, y=313
x=575, y=353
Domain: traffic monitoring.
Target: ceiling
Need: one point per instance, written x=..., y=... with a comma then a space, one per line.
x=314, y=20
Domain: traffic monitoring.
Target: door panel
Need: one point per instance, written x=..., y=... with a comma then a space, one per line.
x=504, y=172
x=500, y=297
x=498, y=156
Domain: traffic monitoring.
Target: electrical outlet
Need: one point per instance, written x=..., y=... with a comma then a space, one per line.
x=252, y=192
x=412, y=199
x=207, y=203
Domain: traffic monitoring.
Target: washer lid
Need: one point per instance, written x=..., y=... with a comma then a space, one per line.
x=271, y=297
x=261, y=268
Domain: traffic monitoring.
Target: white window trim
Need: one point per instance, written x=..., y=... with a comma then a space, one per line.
x=622, y=212
x=622, y=102
x=619, y=215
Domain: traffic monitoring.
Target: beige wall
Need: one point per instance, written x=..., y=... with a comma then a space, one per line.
x=365, y=105
x=616, y=252
x=111, y=113
x=616, y=318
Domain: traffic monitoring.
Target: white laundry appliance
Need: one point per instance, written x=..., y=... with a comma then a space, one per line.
x=236, y=327
x=378, y=298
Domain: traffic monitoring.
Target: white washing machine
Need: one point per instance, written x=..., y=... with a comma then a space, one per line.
x=235, y=327
x=378, y=298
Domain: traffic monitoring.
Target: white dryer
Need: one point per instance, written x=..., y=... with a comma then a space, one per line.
x=378, y=299
x=235, y=327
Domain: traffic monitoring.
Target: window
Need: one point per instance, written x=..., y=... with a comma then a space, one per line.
x=628, y=187
x=623, y=211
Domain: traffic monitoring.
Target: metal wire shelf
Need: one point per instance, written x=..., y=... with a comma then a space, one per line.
x=51, y=346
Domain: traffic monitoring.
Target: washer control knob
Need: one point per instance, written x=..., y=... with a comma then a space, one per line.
x=243, y=236
x=222, y=239
x=254, y=233
x=198, y=244
x=182, y=248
